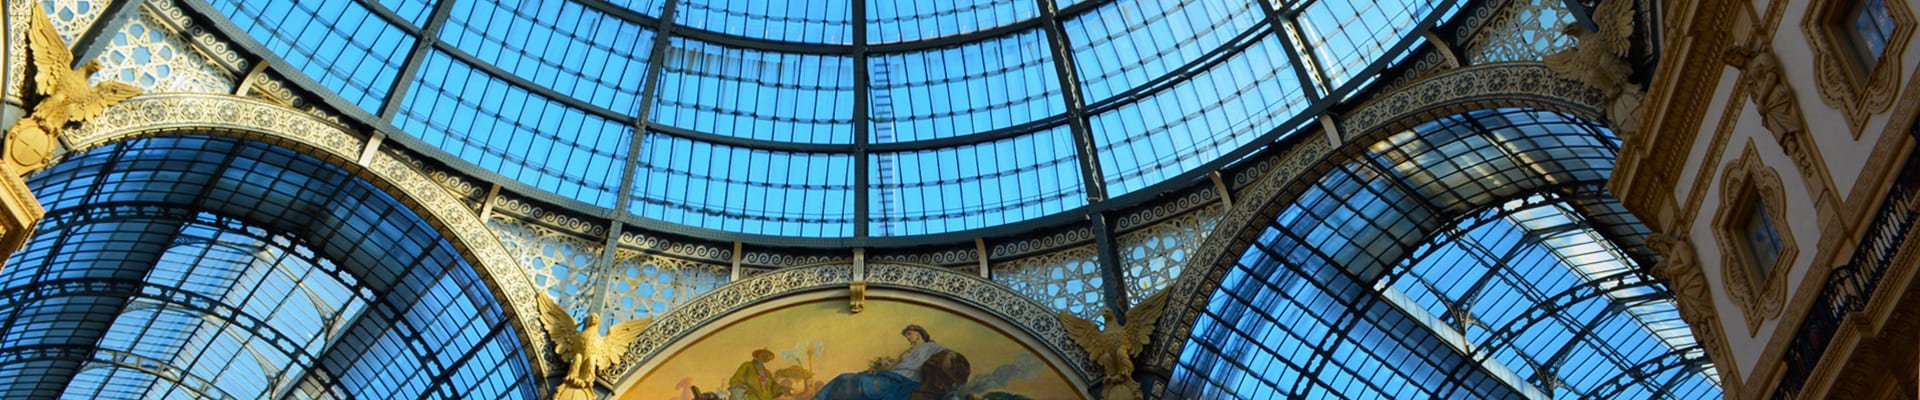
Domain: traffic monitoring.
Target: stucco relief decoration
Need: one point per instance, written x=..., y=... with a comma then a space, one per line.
x=1679, y=269
x=1779, y=108
x=1749, y=186
x=1857, y=90
x=1600, y=60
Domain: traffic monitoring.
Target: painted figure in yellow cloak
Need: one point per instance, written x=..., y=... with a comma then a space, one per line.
x=753, y=381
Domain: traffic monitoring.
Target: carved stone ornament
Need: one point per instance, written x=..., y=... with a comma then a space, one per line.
x=1750, y=186
x=1779, y=108
x=1858, y=91
x=1599, y=60
x=64, y=96
x=1679, y=269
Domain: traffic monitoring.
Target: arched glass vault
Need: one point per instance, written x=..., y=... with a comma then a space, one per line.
x=214, y=267
x=714, y=118
x=1476, y=255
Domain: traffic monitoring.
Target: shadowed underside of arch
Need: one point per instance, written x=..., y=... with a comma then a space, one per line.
x=259, y=267
x=208, y=114
x=1376, y=230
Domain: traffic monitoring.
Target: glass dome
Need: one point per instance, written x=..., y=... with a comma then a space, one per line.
x=884, y=118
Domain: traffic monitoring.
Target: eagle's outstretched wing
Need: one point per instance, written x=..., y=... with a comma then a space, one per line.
x=1083, y=332
x=1615, y=19
x=560, y=326
x=618, y=339
x=1141, y=320
x=52, y=60
x=97, y=99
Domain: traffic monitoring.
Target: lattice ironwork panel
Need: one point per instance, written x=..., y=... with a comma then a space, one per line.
x=560, y=263
x=146, y=54
x=1524, y=30
x=644, y=285
x=72, y=17
x=1067, y=280
x=1153, y=256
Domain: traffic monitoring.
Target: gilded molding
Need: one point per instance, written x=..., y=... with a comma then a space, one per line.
x=1856, y=91
x=188, y=113
x=1747, y=183
x=1031, y=317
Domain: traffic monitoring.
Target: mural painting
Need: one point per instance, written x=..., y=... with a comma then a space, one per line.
x=894, y=349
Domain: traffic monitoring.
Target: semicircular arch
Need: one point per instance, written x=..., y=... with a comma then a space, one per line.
x=178, y=114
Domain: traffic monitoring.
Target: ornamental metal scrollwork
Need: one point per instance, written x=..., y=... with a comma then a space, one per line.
x=1497, y=84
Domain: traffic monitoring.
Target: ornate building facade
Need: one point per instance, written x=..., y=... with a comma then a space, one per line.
x=1775, y=167
x=1092, y=199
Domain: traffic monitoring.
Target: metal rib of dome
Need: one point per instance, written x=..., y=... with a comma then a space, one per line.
x=943, y=118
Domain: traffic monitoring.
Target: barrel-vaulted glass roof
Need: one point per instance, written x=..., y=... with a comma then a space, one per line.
x=884, y=118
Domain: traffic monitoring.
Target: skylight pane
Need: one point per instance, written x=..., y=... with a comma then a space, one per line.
x=1197, y=120
x=518, y=134
x=950, y=92
x=977, y=186
x=745, y=190
x=341, y=44
x=780, y=97
x=1127, y=43
x=563, y=46
x=808, y=21
x=1347, y=36
x=891, y=21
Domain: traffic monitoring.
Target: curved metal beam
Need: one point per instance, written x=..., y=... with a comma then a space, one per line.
x=162, y=369
x=205, y=114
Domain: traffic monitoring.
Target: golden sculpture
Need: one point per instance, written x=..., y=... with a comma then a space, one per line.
x=66, y=97
x=1599, y=59
x=586, y=351
x=1115, y=347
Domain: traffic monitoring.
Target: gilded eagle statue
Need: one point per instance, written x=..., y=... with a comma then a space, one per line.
x=1599, y=59
x=66, y=96
x=585, y=351
x=1115, y=347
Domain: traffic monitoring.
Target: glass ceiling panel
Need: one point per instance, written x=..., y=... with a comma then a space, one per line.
x=340, y=44
x=780, y=97
x=1127, y=43
x=1541, y=293
x=563, y=46
x=268, y=271
x=1534, y=297
x=514, y=132
x=415, y=12
x=739, y=189
x=806, y=21
x=976, y=186
x=939, y=93
x=1197, y=120
x=890, y=21
x=542, y=92
x=1346, y=36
